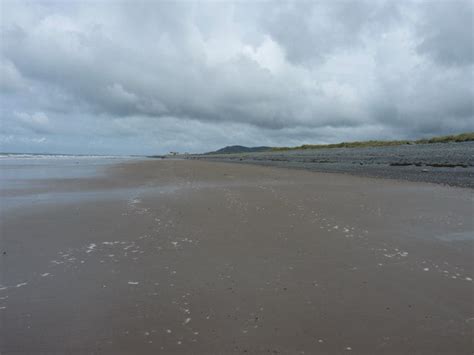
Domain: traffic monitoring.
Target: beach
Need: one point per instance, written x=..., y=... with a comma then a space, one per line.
x=197, y=257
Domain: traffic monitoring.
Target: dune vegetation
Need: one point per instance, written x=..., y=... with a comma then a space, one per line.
x=463, y=137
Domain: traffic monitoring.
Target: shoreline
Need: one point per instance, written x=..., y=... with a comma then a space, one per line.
x=448, y=164
x=362, y=176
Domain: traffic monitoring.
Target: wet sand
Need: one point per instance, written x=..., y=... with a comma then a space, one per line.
x=210, y=258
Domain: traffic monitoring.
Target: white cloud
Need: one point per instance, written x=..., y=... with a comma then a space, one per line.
x=37, y=122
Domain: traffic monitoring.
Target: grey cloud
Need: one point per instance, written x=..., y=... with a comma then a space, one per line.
x=11, y=80
x=311, y=31
x=446, y=31
x=184, y=74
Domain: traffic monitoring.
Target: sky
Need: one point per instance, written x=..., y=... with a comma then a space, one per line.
x=149, y=77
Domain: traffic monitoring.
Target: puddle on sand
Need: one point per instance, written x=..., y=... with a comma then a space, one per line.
x=15, y=202
x=456, y=237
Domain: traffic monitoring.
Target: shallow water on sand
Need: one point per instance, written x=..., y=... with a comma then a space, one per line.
x=454, y=237
x=16, y=171
x=27, y=180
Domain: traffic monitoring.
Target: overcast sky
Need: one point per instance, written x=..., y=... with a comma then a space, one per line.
x=150, y=77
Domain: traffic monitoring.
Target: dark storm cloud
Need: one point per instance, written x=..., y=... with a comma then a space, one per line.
x=195, y=76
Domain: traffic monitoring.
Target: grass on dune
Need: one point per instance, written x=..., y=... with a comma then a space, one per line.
x=463, y=137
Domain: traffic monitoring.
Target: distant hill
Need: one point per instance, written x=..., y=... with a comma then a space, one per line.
x=240, y=149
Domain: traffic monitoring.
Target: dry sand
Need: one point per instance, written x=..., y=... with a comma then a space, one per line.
x=200, y=257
